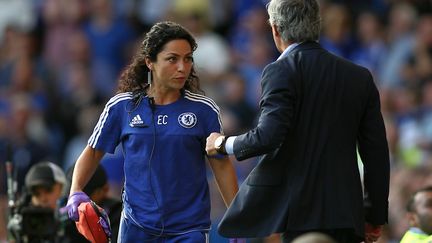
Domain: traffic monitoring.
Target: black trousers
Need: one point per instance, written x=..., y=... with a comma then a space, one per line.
x=339, y=235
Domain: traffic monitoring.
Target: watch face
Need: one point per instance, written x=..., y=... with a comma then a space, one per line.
x=219, y=141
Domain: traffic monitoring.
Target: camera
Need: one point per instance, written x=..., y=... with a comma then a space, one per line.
x=38, y=222
x=34, y=217
x=34, y=224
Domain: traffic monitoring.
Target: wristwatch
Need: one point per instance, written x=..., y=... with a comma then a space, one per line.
x=220, y=144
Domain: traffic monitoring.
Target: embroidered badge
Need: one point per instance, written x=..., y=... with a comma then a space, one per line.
x=187, y=119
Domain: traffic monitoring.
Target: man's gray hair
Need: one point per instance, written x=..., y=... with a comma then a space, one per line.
x=296, y=20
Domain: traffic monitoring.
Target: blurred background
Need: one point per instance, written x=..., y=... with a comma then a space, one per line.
x=60, y=60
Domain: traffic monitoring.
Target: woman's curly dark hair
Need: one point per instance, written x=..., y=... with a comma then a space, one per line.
x=134, y=77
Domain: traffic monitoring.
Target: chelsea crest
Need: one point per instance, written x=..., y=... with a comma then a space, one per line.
x=187, y=119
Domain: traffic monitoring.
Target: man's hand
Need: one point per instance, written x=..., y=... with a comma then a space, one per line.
x=75, y=199
x=372, y=232
x=210, y=146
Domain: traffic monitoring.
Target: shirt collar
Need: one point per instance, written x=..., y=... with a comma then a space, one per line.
x=288, y=50
x=417, y=230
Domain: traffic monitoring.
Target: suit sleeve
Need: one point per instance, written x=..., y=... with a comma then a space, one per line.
x=373, y=149
x=276, y=113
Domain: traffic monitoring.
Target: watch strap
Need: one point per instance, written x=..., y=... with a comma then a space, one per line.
x=221, y=149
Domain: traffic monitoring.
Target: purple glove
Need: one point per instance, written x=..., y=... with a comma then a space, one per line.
x=75, y=199
x=105, y=223
x=237, y=240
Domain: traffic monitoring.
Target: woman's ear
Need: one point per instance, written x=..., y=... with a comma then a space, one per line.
x=149, y=63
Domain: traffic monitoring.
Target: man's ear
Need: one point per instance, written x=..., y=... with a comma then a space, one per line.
x=275, y=31
x=412, y=219
x=278, y=38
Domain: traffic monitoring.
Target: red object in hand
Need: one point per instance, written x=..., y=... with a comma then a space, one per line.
x=93, y=223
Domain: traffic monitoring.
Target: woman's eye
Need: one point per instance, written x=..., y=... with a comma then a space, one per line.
x=189, y=59
x=172, y=59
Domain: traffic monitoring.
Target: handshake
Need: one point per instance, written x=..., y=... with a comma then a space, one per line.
x=88, y=217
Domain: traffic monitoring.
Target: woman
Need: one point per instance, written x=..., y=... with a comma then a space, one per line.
x=161, y=119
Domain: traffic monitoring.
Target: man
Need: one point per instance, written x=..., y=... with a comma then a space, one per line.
x=35, y=217
x=419, y=210
x=316, y=111
x=45, y=182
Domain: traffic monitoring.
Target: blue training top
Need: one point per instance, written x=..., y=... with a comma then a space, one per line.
x=166, y=188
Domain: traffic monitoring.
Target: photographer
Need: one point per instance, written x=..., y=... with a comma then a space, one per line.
x=36, y=218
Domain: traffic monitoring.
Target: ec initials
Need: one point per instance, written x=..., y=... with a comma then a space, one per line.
x=162, y=120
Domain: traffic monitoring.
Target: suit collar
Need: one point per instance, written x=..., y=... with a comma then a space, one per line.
x=307, y=45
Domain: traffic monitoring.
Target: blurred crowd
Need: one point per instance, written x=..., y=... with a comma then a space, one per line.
x=60, y=60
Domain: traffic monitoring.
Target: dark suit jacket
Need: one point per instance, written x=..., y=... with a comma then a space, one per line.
x=316, y=111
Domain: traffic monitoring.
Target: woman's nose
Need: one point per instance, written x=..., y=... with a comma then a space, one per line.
x=180, y=66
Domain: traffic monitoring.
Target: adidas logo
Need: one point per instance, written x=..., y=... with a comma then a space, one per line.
x=136, y=121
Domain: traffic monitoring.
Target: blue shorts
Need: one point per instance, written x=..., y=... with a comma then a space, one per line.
x=129, y=232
